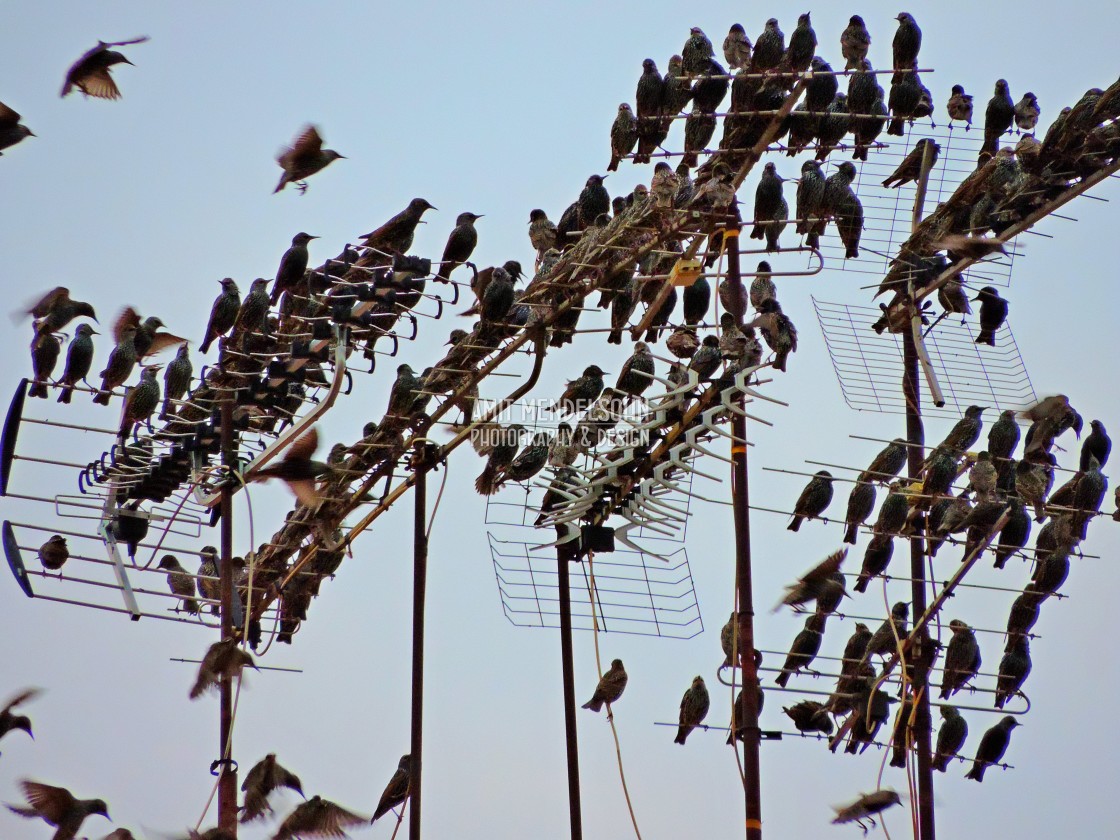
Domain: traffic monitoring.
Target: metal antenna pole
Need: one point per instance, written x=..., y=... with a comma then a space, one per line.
x=227, y=779
x=419, y=590
x=563, y=558
x=740, y=499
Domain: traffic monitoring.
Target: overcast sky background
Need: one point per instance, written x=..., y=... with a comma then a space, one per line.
x=496, y=108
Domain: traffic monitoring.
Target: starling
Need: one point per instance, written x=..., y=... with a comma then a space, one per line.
x=542, y=232
x=252, y=317
x=396, y=235
x=1088, y=497
x=762, y=287
x=1026, y=112
x=120, y=365
x=297, y=470
x=1014, y=669
x=710, y=88
x=887, y=464
x=1003, y=437
x=10, y=722
x=12, y=132
x=54, y=553
x=960, y=106
x=863, y=90
x=149, y=340
x=907, y=42
x=727, y=640
x=529, y=461
x=892, y=632
x=207, y=583
x=982, y=477
x=854, y=42
x=304, y=158
x=223, y=313
x=997, y=119
x=141, y=401
x=637, y=371
x=804, y=649
x=1031, y=486
x=1050, y=572
x=460, y=245
x=594, y=200
x=738, y=710
x=676, y=93
x=950, y=738
x=833, y=126
x=45, y=350
x=91, y=73
x=993, y=312
x=403, y=394
x=696, y=52
x=266, y=776
x=683, y=343
x=57, y=807
x=56, y=309
x=1023, y=615
x=836, y=187
x=396, y=792
x=966, y=431
x=849, y=223
x=622, y=307
x=992, y=747
x=648, y=101
x=176, y=381
x=854, y=649
x=697, y=299
x=317, y=817
x=778, y=332
x=866, y=807
x=876, y=558
x=698, y=130
x=911, y=165
x=737, y=48
x=904, y=99
x=501, y=455
x=222, y=659
x=610, y=687
x=497, y=299
x=292, y=266
x=664, y=185
x=892, y=513
x=694, y=708
x=810, y=199
x=581, y=392
x=802, y=45
x=558, y=492
x=180, y=582
x=809, y=716
x=768, y=48
x=1014, y=534
x=814, y=499
x=1096, y=445
x=861, y=502
x=962, y=659
x=624, y=135
x=823, y=582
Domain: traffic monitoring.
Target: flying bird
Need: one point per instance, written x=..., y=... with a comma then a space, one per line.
x=317, y=817
x=91, y=73
x=304, y=158
x=10, y=722
x=266, y=776
x=298, y=470
x=866, y=807
x=58, y=807
x=222, y=659
x=11, y=130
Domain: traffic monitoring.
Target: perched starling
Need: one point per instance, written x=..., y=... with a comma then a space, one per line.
x=885, y=640
x=887, y=464
x=960, y=106
x=1088, y=497
x=252, y=317
x=396, y=792
x=767, y=201
x=498, y=298
x=836, y=188
x=866, y=807
x=802, y=45
x=992, y=747
x=622, y=307
x=854, y=42
x=10, y=722
x=950, y=738
x=12, y=131
x=1003, y=436
x=710, y=88
x=698, y=130
x=1096, y=445
x=610, y=687
x=997, y=119
x=176, y=381
x=57, y=807
x=180, y=582
x=962, y=659
x=983, y=476
x=222, y=659
x=738, y=710
x=396, y=235
x=694, y=708
x=1050, y=572
x=529, y=461
x=1022, y=616
x=54, y=553
x=804, y=649
x=809, y=716
x=223, y=314
x=664, y=185
x=45, y=350
x=907, y=42
x=769, y=48
x=814, y=499
x=727, y=640
x=892, y=513
x=304, y=158
x=683, y=343
x=501, y=455
x=762, y=289
x=863, y=89
x=876, y=558
x=581, y=392
x=1031, y=485
x=854, y=649
x=696, y=52
x=648, y=102
x=624, y=135
x=833, y=126
x=460, y=245
x=965, y=432
x=292, y=266
x=810, y=200
x=637, y=371
x=1014, y=669
x=1014, y=534
x=737, y=47
x=904, y=99
x=317, y=817
x=911, y=165
x=119, y=367
x=849, y=223
x=402, y=396
x=557, y=495
x=1026, y=112
x=697, y=299
x=141, y=401
x=594, y=200
x=91, y=73
x=265, y=776
x=676, y=93
x=777, y=330
x=297, y=470
x=207, y=582
x=706, y=361
x=542, y=232
x=861, y=501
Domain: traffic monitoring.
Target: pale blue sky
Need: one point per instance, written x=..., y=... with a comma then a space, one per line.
x=496, y=109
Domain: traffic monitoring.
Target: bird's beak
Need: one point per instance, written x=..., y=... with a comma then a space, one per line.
x=92, y=331
x=126, y=61
x=343, y=158
x=312, y=237
x=898, y=17
x=31, y=133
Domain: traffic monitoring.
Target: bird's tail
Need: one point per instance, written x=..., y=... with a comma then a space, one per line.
x=65, y=393
x=682, y=735
x=860, y=152
x=898, y=759
x=594, y=704
x=895, y=128
x=274, y=298
x=758, y=231
x=255, y=806
x=780, y=361
x=861, y=582
x=795, y=525
x=977, y=771
x=191, y=606
x=206, y=342
x=613, y=165
x=823, y=152
x=101, y=398
x=940, y=762
x=690, y=159
x=987, y=337
x=782, y=678
x=852, y=252
x=283, y=182
x=486, y=483
x=850, y=534
x=813, y=238
x=38, y=389
x=987, y=150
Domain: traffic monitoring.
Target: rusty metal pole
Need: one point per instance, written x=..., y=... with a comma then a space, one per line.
x=419, y=590
x=740, y=499
x=227, y=779
x=563, y=558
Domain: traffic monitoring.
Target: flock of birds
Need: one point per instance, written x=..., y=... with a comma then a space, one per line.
x=1002, y=191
